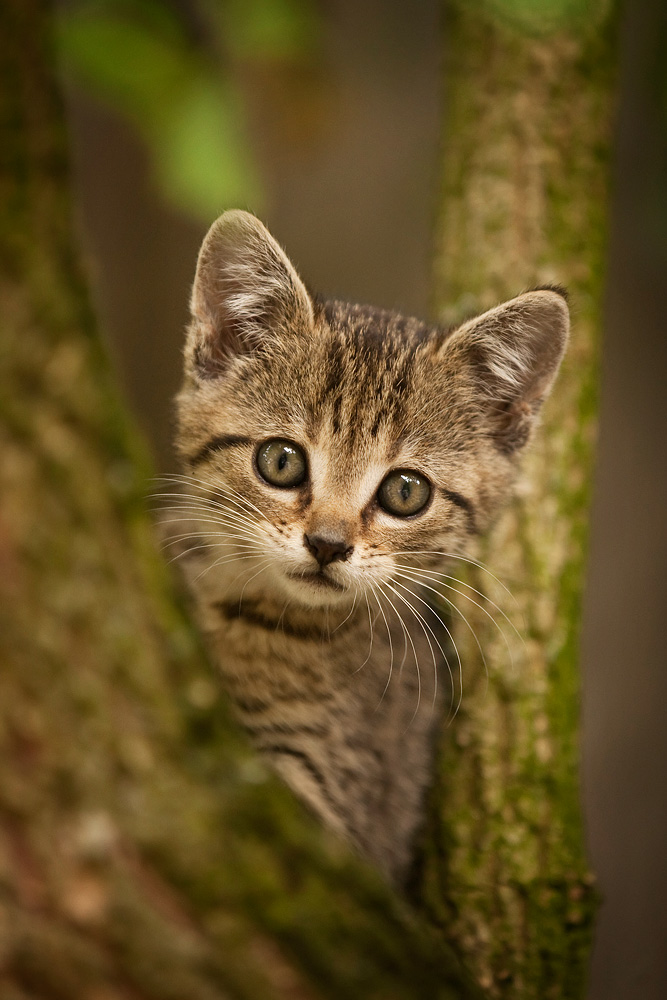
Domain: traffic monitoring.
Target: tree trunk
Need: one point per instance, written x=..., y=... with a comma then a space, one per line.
x=144, y=851
x=523, y=202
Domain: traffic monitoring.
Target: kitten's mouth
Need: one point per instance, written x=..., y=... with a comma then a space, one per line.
x=319, y=580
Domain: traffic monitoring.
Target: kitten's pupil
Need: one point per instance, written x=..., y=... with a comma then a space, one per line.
x=282, y=461
x=405, y=491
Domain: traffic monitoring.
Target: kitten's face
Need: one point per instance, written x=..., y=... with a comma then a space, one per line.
x=334, y=443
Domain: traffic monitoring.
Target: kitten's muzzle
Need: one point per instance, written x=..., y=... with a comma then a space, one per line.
x=327, y=551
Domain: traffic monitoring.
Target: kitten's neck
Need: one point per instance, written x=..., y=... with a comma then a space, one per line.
x=266, y=614
x=271, y=612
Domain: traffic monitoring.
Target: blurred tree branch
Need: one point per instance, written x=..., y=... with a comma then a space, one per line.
x=144, y=852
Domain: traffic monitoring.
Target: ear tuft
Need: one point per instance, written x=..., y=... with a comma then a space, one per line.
x=246, y=292
x=514, y=352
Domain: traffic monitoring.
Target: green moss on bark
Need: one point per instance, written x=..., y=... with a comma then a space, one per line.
x=524, y=202
x=144, y=851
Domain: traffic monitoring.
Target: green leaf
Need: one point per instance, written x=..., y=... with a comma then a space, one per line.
x=204, y=163
x=138, y=61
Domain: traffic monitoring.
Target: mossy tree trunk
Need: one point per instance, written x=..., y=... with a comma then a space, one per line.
x=524, y=202
x=144, y=852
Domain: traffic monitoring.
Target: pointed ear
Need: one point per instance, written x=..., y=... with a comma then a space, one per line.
x=514, y=352
x=245, y=293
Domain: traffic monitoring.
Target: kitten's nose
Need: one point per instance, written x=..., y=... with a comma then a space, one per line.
x=327, y=551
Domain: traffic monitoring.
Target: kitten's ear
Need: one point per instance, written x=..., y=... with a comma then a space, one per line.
x=514, y=351
x=245, y=292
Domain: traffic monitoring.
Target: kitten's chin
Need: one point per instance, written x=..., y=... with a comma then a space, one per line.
x=316, y=590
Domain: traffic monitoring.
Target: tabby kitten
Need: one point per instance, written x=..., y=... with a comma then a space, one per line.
x=332, y=452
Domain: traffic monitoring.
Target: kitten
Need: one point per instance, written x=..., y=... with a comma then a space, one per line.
x=333, y=452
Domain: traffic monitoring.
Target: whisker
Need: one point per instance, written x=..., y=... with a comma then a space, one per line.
x=459, y=612
x=244, y=506
x=398, y=615
x=425, y=625
x=222, y=562
x=418, y=578
x=201, y=520
x=350, y=612
x=241, y=500
x=371, y=624
x=282, y=615
x=462, y=558
x=437, y=575
x=391, y=647
x=208, y=499
x=213, y=545
x=406, y=637
x=260, y=570
x=451, y=716
x=174, y=539
x=217, y=485
x=220, y=513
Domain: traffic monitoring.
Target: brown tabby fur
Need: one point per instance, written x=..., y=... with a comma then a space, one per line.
x=342, y=697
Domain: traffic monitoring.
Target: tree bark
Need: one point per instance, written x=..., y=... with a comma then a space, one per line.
x=144, y=851
x=524, y=199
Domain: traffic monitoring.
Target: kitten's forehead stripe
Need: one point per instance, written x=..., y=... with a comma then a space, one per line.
x=369, y=360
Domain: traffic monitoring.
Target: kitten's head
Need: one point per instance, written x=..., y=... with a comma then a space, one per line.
x=334, y=440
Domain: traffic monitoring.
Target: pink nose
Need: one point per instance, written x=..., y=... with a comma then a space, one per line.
x=327, y=550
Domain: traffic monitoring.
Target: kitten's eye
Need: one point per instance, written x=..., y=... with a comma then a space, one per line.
x=404, y=493
x=281, y=463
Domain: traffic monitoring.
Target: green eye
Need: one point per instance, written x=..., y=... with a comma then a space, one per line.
x=281, y=463
x=404, y=493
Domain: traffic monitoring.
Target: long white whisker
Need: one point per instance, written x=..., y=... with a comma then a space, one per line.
x=204, y=512
x=174, y=539
x=213, y=545
x=398, y=615
x=459, y=613
x=222, y=561
x=406, y=637
x=391, y=647
x=260, y=570
x=282, y=615
x=241, y=500
x=425, y=625
x=350, y=612
x=418, y=578
x=201, y=520
x=243, y=505
x=451, y=716
x=462, y=558
x=218, y=487
x=210, y=500
x=246, y=570
x=436, y=575
x=370, y=629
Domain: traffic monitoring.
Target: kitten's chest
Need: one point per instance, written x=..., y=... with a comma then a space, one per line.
x=362, y=683
x=281, y=669
x=347, y=719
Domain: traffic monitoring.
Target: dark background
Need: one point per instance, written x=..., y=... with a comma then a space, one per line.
x=351, y=183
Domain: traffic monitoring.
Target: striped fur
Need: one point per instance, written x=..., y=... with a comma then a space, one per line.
x=338, y=673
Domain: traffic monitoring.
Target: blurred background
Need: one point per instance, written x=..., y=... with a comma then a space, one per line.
x=324, y=117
